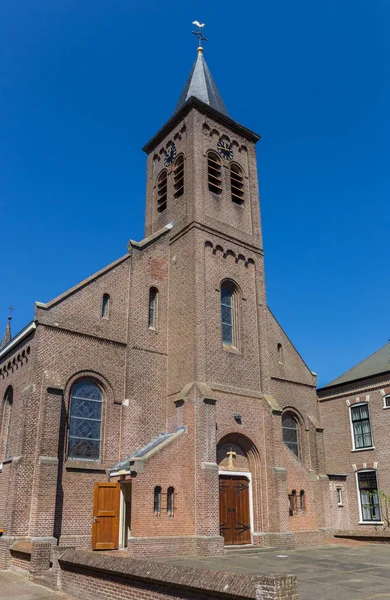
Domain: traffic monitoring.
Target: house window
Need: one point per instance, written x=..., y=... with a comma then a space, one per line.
x=290, y=432
x=178, y=176
x=361, y=426
x=153, y=295
x=105, y=306
x=292, y=503
x=302, y=501
x=369, y=498
x=228, y=316
x=280, y=354
x=214, y=172
x=339, y=493
x=386, y=402
x=157, y=501
x=170, y=501
x=85, y=421
x=7, y=417
x=162, y=186
x=236, y=184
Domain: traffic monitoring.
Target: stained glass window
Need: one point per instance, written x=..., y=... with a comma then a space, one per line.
x=290, y=432
x=361, y=426
x=369, y=499
x=85, y=421
x=227, y=315
x=7, y=416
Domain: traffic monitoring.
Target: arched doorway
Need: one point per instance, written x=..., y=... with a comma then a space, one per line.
x=235, y=453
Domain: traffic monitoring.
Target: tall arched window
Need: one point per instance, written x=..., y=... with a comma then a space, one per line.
x=214, y=172
x=6, y=420
x=105, y=306
x=229, y=314
x=157, y=501
x=153, y=298
x=85, y=421
x=162, y=186
x=178, y=176
x=290, y=432
x=236, y=184
x=170, y=501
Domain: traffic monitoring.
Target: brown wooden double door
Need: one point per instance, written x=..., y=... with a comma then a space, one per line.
x=234, y=514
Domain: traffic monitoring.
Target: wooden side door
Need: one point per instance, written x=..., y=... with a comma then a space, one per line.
x=234, y=510
x=105, y=526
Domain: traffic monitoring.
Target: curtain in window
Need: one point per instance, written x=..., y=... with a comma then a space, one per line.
x=369, y=499
x=361, y=426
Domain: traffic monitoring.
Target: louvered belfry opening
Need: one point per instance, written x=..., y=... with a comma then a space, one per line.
x=214, y=171
x=178, y=176
x=237, y=184
x=162, y=191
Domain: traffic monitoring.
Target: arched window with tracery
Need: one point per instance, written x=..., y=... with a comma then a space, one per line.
x=178, y=176
x=162, y=191
x=291, y=432
x=170, y=501
x=105, y=306
x=214, y=173
x=229, y=319
x=85, y=421
x=157, y=501
x=236, y=184
x=153, y=302
x=6, y=420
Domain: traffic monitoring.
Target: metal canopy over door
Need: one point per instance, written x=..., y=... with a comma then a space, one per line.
x=234, y=510
x=105, y=527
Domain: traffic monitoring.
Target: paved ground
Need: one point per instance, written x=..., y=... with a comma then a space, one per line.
x=17, y=587
x=332, y=572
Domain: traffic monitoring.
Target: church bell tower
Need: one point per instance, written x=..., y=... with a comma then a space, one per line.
x=202, y=178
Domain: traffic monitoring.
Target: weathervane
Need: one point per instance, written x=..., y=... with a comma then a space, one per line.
x=199, y=34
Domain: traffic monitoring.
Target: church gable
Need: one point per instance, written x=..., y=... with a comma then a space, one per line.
x=96, y=306
x=285, y=361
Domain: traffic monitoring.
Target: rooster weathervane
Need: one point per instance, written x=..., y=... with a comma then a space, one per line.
x=199, y=34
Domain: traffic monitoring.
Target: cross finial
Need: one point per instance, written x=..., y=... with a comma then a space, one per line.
x=11, y=309
x=199, y=34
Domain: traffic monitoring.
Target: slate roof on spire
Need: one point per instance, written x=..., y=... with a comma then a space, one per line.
x=375, y=364
x=7, y=334
x=201, y=85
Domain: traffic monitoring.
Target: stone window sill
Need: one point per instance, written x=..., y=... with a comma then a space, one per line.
x=83, y=465
x=370, y=522
x=363, y=449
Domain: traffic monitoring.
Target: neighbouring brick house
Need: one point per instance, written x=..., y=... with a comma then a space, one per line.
x=158, y=405
x=354, y=413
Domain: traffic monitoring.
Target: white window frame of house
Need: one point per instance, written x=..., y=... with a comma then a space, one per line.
x=354, y=449
x=339, y=492
x=386, y=397
x=361, y=521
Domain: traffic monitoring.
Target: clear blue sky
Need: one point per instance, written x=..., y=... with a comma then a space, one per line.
x=84, y=84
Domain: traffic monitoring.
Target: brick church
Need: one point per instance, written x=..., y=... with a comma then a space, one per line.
x=158, y=406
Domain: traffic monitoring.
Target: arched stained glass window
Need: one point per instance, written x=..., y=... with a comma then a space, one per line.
x=85, y=421
x=290, y=432
x=7, y=416
x=228, y=314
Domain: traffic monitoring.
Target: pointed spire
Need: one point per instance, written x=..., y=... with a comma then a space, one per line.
x=201, y=85
x=7, y=334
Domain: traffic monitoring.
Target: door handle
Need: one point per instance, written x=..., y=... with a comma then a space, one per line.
x=95, y=520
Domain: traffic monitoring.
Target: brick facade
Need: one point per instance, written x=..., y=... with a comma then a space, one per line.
x=175, y=374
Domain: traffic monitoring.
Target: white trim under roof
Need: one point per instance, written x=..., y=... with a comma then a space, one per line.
x=20, y=336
